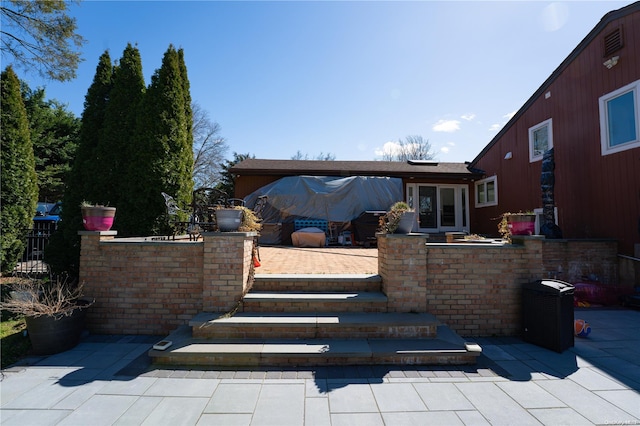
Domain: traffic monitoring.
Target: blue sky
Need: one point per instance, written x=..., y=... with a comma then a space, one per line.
x=344, y=78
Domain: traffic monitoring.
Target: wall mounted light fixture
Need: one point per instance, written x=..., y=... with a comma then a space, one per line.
x=508, y=155
x=611, y=62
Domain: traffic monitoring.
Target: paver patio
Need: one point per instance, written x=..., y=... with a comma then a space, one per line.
x=109, y=380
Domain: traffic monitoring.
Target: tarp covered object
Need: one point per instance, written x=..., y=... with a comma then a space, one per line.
x=334, y=199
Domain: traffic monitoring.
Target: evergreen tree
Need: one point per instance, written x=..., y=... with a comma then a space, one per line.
x=116, y=146
x=164, y=161
x=19, y=192
x=54, y=135
x=63, y=250
x=40, y=35
x=227, y=182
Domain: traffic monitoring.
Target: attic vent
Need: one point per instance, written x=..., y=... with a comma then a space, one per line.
x=612, y=42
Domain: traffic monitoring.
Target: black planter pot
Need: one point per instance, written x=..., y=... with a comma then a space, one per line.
x=49, y=335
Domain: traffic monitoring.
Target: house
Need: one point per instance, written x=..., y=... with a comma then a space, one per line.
x=440, y=191
x=588, y=111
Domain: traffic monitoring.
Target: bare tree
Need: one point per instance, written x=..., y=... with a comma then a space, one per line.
x=38, y=34
x=321, y=157
x=209, y=149
x=413, y=147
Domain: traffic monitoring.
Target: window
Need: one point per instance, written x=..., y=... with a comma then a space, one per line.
x=487, y=192
x=619, y=119
x=540, y=140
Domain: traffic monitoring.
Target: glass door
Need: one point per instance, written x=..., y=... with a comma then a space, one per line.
x=440, y=208
x=427, y=207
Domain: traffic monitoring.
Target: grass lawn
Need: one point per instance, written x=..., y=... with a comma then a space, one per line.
x=13, y=343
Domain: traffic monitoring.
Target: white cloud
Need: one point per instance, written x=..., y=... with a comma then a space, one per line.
x=448, y=126
x=468, y=117
x=508, y=116
x=390, y=148
x=444, y=150
x=495, y=127
x=554, y=16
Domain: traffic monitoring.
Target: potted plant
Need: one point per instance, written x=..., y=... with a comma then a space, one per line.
x=96, y=217
x=229, y=219
x=54, y=312
x=250, y=222
x=521, y=223
x=400, y=219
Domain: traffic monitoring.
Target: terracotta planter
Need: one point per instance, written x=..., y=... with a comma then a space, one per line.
x=98, y=218
x=521, y=224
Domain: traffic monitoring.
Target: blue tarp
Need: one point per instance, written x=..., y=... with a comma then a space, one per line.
x=334, y=199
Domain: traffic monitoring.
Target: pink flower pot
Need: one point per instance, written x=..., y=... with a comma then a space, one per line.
x=98, y=218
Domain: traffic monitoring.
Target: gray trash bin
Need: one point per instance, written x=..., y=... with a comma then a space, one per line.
x=547, y=314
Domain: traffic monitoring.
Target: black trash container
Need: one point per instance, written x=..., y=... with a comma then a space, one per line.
x=547, y=314
x=365, y=226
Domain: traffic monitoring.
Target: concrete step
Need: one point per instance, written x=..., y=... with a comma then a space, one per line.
x=317, y=282
x=448, y=349
x=262, y=301
x=314, y=325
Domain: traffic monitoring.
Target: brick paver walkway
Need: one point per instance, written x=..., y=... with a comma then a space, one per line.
x=326, y=260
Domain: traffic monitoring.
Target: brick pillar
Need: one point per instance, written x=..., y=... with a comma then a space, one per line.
x=91, y=261
x=226, y=269
x=402, y=264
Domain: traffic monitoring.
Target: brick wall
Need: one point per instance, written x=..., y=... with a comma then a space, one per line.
x=476, y=289
x=152, y=287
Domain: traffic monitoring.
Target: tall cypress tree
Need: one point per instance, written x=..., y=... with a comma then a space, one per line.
x=63, y=251
x=117, y=144
x=19, y=191
x=165, y=158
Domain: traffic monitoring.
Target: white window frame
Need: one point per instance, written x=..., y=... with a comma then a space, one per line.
x=483, y=182
x=549, y=125
x=604, y=119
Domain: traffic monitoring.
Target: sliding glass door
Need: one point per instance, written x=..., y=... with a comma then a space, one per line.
x=441, y=208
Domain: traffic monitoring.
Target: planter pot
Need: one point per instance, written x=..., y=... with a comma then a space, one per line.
x=49, y=335
x=98, y=218
x=522, y=224
x=407, y=221
x=228, y=220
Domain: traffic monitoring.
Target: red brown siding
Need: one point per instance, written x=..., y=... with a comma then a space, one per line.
x=597, y=196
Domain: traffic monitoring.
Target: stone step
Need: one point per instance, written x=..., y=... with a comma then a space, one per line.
x=448, y=349
x=314, y=325
x=317, y=282
x=262, y=301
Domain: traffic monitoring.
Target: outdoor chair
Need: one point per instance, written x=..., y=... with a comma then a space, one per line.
x=172, y=213
x=203, y=205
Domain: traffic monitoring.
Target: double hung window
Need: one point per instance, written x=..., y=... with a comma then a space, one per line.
x=487, y=192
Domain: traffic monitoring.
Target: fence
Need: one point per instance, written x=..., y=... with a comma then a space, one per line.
x=32, y=261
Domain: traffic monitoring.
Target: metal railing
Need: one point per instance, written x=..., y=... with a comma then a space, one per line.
x=32, y=261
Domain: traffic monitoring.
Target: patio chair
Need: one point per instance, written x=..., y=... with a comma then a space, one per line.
x=204, y=203
x=172, y=213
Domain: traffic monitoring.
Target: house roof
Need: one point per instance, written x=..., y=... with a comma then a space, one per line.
x=426, y=169
x=595, y=32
